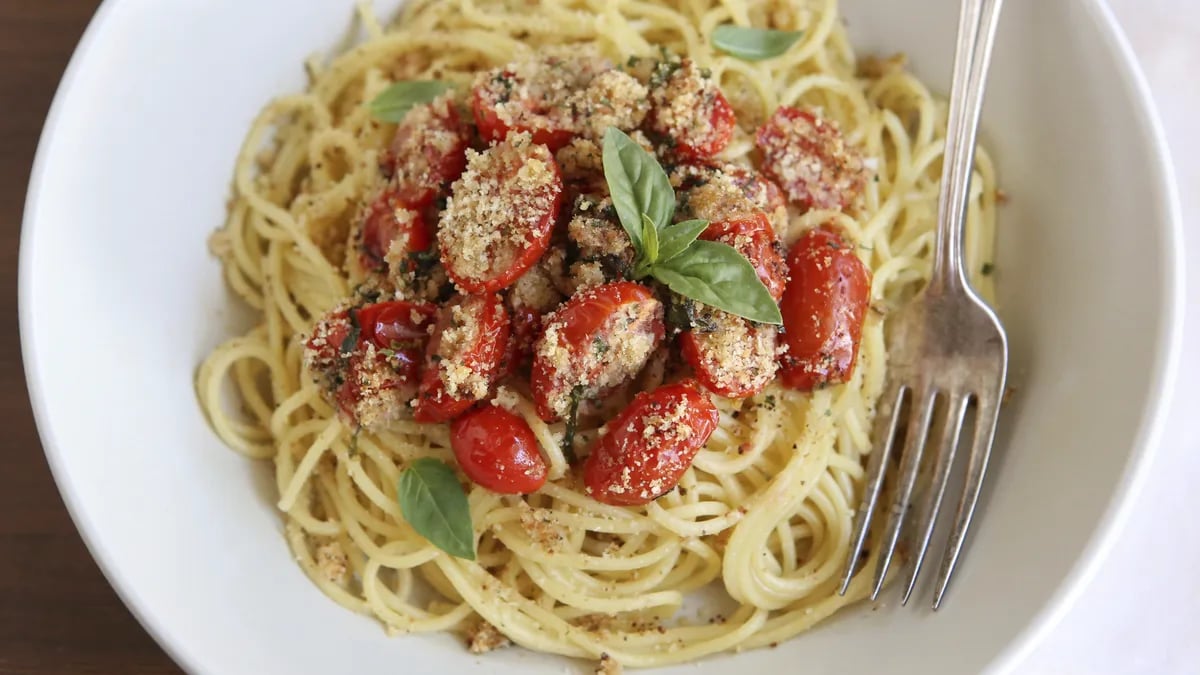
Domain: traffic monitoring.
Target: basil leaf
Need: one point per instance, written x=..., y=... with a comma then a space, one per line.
x=717, y=275
x=568, y=441
x=395, y=101
x=649, y=239
x=753, y=44
x=433, y=502
x=638, y=185
x=674, y=239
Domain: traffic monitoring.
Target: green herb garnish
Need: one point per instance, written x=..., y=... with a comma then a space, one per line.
x=753, y=44
x=433, y=502
x=568, y=442
x=707, y=271
x=395, y=101
x=351, y=339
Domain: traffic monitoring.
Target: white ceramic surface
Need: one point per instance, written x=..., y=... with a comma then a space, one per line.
x=119, y=302
x=1141, y=613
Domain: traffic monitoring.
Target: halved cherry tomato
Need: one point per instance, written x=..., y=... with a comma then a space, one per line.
x=718, y=131
x=700, y=132
x=534, y=118
x=754, y=238
x=759, y=189
x=599, y=338
x=809, y=158
x=367, y=390
x=650, y=445
x=823, y=309
x=428, y=152
x=736, y=360
x=462, y=360
x=396, y=322
x=497, y=449
x=387, y=219
x=501, y=216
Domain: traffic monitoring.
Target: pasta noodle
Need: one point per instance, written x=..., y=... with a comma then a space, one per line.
x=761, y=522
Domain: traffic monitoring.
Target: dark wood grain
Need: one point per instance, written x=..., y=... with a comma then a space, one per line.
x=57, y=613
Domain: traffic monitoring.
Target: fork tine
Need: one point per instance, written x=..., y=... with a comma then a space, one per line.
x=987, y=412
x=932, y=503
x=887, y=417
x=910, y=464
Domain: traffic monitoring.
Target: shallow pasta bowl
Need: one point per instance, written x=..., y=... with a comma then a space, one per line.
x=120, y=301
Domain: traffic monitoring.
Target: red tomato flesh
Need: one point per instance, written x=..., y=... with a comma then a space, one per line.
x=462, y=360
x=811, y=161
x=585, y=331
x=737, y=360
x=497, y=450
x=823, y=308
x=545, y=120
x=630, y=467
x=387, y=219
x=754, y=238
x=428, y=152
x=501, y=216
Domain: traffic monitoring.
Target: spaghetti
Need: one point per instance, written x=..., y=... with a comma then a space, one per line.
x=761, y=521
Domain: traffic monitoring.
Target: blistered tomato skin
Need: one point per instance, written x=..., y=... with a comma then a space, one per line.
x=396, y=323
x=649, y=445
x=497, y=450
x=824, y=307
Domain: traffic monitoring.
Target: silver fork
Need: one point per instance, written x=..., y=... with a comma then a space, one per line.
x=947, y=344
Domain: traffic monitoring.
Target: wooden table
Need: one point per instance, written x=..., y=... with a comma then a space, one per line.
x=57, y=613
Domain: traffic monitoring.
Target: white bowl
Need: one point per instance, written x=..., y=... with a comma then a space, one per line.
x=120, y=301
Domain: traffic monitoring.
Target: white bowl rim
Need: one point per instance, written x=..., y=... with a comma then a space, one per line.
x=1148, y=438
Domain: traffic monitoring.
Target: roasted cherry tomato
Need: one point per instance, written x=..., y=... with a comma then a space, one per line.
x=823, y=308
x=428, y=152
x=526, y=328
x=754, y=238
x=811, y=161
x=497, y=449
x=500, y=216
x=649, y=445
x=396, y=322
x=462, y=360
x=370, y=387
x=736, y=359
x=534, y=117
x=386, y=220
x=690, y=110
x=599, y=338
x=759, y=189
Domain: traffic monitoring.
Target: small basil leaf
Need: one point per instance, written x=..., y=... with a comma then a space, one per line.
x=395, y=101
x=433, y=502
x=717, y=275
x=638, y=185
x=649, y=239
x=674, y=239
x=753, y=44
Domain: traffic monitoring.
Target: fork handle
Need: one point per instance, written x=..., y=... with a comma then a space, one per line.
x=976, y=34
